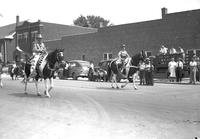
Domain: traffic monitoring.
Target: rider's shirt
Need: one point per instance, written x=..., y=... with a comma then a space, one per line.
x=163, y=50
x=123, y=54
x=38, y=48
x=148, y=67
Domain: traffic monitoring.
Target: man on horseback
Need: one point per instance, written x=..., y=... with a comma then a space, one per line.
x=39, y=49
x=123, y=56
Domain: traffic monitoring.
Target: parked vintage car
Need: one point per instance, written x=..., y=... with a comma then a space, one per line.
x=97, y=74
x=76, y=68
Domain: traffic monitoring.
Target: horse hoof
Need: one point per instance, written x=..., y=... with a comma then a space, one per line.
x=135, y=88
x=122, y=86
x=48, y=96
x=25, y=93
x=38, y=94
x=112, y=87
x=45, y=92
x=117, y=87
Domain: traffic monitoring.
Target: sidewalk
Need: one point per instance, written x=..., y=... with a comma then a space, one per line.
x=165, y=80
x=4, y=75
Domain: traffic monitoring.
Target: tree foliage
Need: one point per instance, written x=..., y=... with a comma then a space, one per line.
x=91, y=21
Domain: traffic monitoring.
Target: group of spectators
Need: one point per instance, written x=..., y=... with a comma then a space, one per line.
x=164, y=50
x=175, y=70
x=146, y=72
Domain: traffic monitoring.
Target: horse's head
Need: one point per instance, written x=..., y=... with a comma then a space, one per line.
x=56, y=56
x=141, y=56
x=59, y=55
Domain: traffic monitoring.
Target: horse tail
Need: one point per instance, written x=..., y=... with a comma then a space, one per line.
x=27, y=70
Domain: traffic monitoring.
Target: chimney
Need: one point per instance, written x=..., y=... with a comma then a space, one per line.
x=164, y=12
x=17, y=23
x=17, y=20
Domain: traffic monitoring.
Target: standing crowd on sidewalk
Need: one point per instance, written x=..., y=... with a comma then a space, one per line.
x=146, y=69
x=175, y=70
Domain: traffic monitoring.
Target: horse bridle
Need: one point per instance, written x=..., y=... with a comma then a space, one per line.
x=59, y=57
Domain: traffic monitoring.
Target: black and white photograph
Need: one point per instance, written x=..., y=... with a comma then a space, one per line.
x=106, y=69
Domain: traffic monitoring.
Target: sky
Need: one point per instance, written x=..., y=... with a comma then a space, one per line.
x=65, y=11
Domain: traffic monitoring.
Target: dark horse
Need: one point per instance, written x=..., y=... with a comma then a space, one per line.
x=131, y=69
x=16, y=72
x=52, y=58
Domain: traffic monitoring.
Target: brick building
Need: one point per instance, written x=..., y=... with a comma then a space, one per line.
x=23, y=34
x=172, y=30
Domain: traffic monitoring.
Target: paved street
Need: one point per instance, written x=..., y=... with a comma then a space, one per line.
x=92, y=110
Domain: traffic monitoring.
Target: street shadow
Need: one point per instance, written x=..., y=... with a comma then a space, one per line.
x=21, y=95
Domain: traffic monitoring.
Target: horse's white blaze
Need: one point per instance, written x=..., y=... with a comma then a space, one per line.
x=61, y=54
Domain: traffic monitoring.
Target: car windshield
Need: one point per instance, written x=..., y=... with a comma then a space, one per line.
x=84, y=63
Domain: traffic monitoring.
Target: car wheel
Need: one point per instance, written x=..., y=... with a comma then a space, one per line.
x=59, y=75
x=130, y=80
x=118, y=79
x=90, y=75
x=74, y=76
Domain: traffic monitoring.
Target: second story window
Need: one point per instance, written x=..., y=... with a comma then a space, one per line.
x=33, y=35
x=107, y=56
x=25, y=36
x=19, y=38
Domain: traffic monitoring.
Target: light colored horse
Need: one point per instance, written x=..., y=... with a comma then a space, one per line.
x=131, y=68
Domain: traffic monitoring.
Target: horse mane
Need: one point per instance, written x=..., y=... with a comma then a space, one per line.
x=135, y=59
x=51, y=55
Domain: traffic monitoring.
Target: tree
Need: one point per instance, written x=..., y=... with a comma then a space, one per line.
x=81, y=21
x=91, y=21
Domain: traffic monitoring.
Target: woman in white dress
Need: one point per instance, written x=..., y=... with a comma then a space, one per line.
x=172, y=70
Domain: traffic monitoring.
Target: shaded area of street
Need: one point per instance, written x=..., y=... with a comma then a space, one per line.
x=93, y=110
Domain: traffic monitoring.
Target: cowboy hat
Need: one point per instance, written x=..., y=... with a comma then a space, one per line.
x=123, y=45
x=39, y=36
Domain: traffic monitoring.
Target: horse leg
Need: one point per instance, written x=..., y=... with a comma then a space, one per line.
x=51, y=84
x=115, y=81
x=112, y=81
x=1, y=83
x=134, y=78
x=46, y=89
x=25, y=83
x=37, y=90
x=122, y=86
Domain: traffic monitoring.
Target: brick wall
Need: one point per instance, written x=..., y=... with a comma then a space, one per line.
x=179, y=29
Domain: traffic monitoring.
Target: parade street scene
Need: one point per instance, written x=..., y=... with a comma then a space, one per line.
x=100, y=69
x=81, y=109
